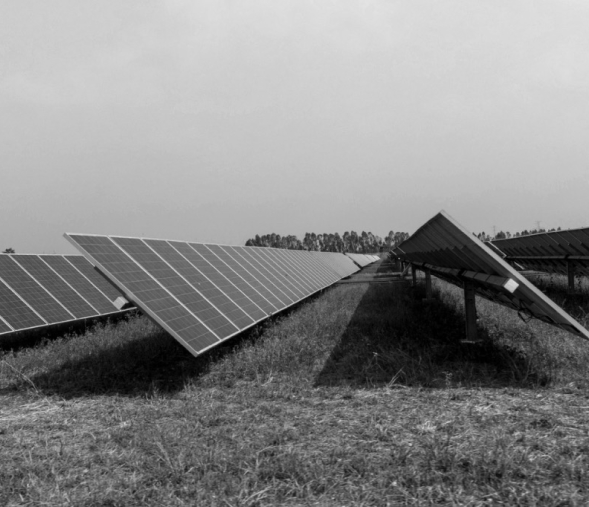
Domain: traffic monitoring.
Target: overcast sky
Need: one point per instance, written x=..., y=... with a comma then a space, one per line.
x=216, y=120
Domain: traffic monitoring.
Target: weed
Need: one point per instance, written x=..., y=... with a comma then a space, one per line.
x=362, y=396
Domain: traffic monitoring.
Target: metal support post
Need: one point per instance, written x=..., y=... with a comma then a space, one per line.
x=571, y=276
x=414, y=274
x=470, y=312
x=428, y=284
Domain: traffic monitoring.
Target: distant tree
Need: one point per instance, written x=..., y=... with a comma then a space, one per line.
x=399, y=238
x=9, y=251
x=366, y=242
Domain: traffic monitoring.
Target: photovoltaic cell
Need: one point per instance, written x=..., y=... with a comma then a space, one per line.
x=306, y=278
x=279, y=294
x=15, y=311
x=201, y=283
x=236, y=277
x=327, y=275
x=55, y=285
x=317, y=278
x=275, y=290
x=340, y=264
x=31, y=292
x=249, y=275
x=177, y=286
x=4, y=327
x=323, y=275
x=220, y=280
x=138, y=285
x=301, y=286
x=291, y=287
x=90, y=272
x=42, y=290
x=289, y=277
x=80, y=283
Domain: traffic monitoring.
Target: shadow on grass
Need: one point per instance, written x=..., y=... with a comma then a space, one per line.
x=33, y=337
x=397, y=338
x=133, y=358
x=152, y=363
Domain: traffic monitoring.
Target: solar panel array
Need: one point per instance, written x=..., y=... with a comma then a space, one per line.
x=362, y=259
x=203, y=294
x=551, y=252
x=449, y=251
x=42, y=290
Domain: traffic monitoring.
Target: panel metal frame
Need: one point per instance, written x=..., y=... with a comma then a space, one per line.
x=564, y=252
x=452, y=253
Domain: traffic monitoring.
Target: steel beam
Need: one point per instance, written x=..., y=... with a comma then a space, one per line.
x=470, y=311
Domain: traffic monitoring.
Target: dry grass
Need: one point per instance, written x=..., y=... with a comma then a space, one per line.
x=363, y=396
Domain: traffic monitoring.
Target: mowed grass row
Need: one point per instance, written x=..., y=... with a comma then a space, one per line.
x=361, y=396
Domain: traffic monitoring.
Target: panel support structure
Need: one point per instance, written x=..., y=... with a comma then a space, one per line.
x=428, y=284
x=470, y=311
x=414, y=274
x=571, y=276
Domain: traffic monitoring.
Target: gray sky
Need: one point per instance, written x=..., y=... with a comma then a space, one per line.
x=216, y=120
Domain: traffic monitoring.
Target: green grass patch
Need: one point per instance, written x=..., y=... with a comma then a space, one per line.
x=362, y=396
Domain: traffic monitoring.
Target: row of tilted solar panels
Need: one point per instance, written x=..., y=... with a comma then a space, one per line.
x=202, y=294
x=446, y=249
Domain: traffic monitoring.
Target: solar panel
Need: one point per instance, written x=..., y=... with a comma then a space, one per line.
x=201, y=283
x=450, y=252
x=323, y=274
x=267, y=296
x=203, y=294
x=551, y=252
x=361, y=259
x=55, y=286
x=41, y=290
x=340, y=265
x=301, y=261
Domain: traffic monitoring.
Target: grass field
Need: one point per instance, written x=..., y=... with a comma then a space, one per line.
x=362, y=396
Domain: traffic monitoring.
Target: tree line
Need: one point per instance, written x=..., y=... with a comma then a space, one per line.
x=365, y=242
x=506, y=235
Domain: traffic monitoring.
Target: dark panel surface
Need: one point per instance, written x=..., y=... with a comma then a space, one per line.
x=298, y=281
x=251, y=276
x=92, y=274
x=271, y=271
x=16, y=312
x=144, y=291
x=220, y=280
x=55, y=285
x=4, y=328
x=31, y=292
x=328, y=275
x=198, y=280
x=80, y=283
x=306, y=263
x=235, y=278
x=177, y=286
x=278, y=293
